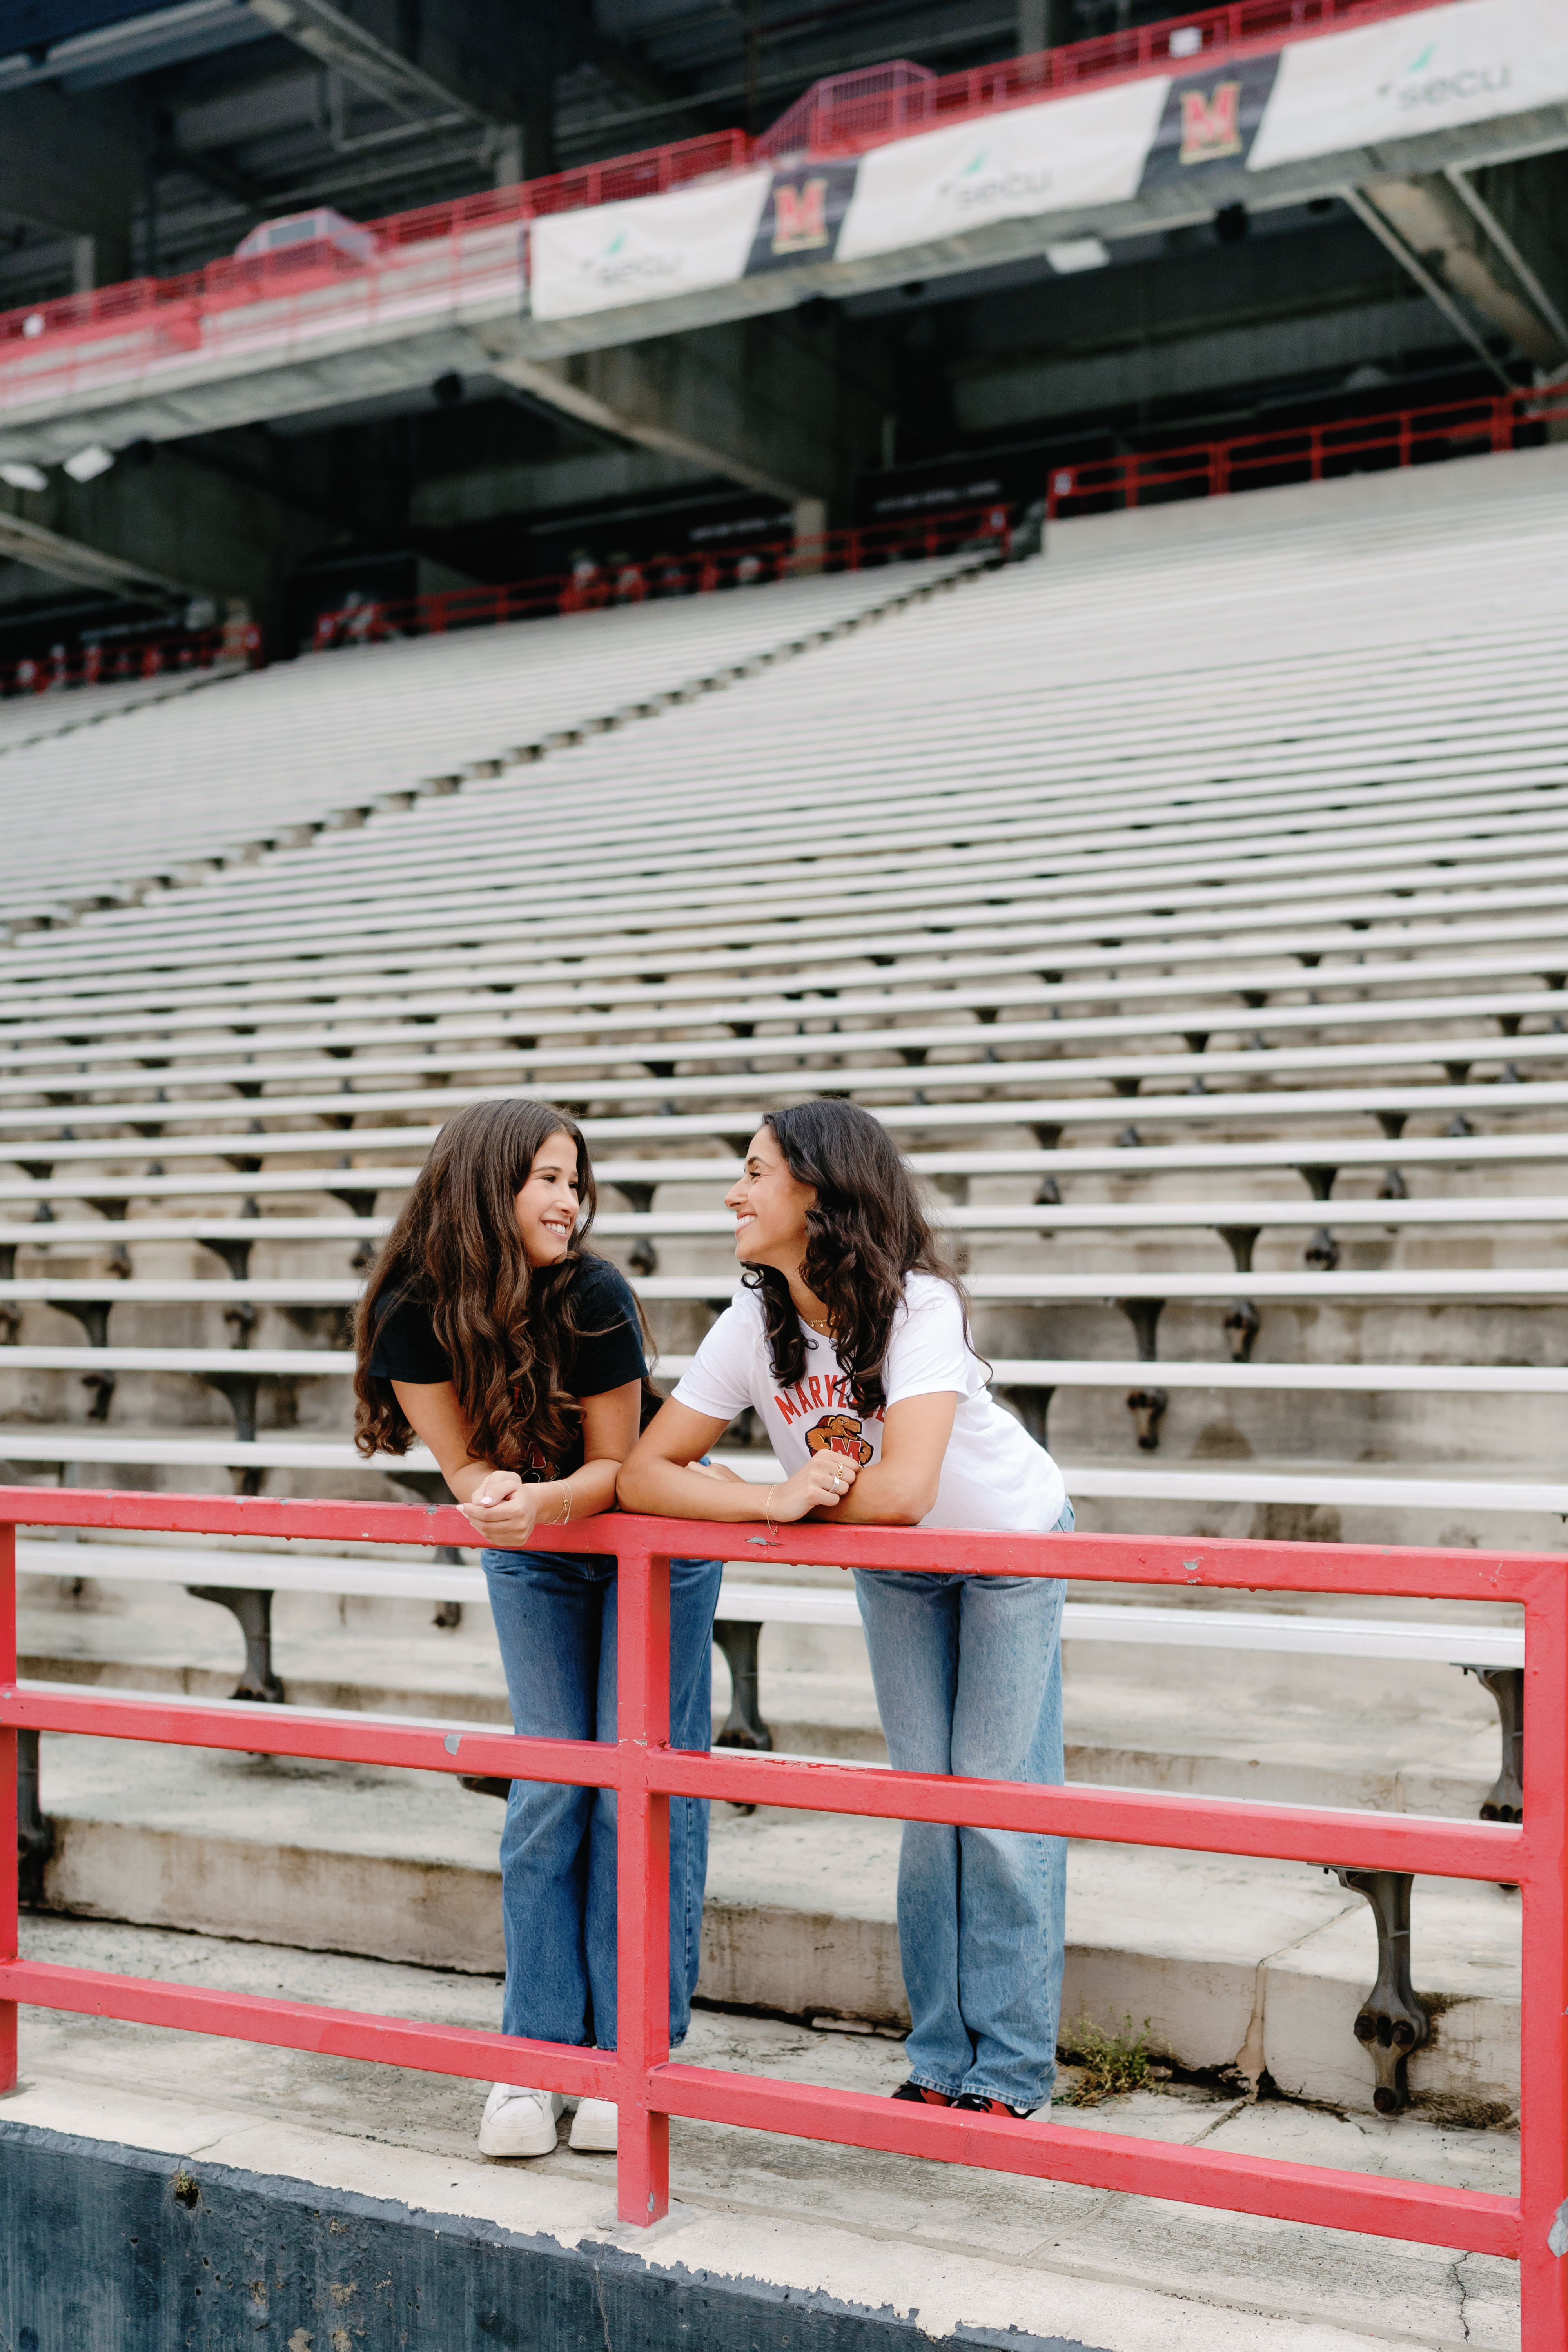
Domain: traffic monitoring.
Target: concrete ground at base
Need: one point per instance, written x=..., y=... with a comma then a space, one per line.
x=964, y=2256
x=1236, y=1962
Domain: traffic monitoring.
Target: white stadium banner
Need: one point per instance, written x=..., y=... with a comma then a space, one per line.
x=1003, y=166
x=1469, y=62
x=1331, y=94
x=646, y=248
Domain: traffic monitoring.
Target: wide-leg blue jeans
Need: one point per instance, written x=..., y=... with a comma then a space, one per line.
x=968, y=1675
x=555, y=1616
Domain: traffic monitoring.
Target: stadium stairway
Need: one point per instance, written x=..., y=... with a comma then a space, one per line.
x=1193, y=911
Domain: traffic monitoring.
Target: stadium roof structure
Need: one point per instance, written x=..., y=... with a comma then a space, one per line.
x=1060, y=154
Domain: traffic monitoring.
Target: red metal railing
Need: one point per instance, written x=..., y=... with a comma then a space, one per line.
x=852, y=111
x=1314, y=453
x=592, y=586
x=151, y=656
x=148, y=318
x=174, y=304
x=646, y=1773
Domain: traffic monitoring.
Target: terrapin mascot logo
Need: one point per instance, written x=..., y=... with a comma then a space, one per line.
x=800, y=215
x=1211, y=123
x=839, y=1433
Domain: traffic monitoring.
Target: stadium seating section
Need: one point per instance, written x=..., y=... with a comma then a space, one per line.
x=1192, y=908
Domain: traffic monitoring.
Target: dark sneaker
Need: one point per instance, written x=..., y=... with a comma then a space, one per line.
x=918, y=2091
x=976, y=2105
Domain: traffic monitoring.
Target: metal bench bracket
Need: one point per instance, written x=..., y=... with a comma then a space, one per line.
x=1393, y=2022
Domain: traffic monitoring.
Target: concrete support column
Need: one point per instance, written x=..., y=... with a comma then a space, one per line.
x=810, y=525
x=508, y=166
x=1043, y=25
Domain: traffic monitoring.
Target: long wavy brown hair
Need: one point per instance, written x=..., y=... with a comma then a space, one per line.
x=869, y=1228
x=455, y=1251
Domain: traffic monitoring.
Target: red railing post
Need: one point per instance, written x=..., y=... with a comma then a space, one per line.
x=642, y=1882
x=1543, y=1983
x=10, y=1847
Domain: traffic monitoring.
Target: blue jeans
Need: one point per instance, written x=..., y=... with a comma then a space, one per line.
x=968, y=1673
x=555, y=1616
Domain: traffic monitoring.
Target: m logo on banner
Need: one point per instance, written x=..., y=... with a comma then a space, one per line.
x=1211, y=123
x=800, y=216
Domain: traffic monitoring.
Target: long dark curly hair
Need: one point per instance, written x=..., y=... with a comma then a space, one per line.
x=456, y=1250
x=869, y=1228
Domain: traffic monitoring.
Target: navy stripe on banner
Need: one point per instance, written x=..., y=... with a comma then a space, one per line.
x=1210, y=120
x=802, y=215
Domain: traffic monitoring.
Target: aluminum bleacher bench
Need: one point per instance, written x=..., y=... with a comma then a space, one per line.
x=101, y=1065
x=445, y=1055
x=1316, y=1159
x=233, y=1125
x=1533, y=1283
x=964, y=985
x=88, y=964
x=293, y=741
x=227, y=1235
x=1455, y=877
x=366, y=989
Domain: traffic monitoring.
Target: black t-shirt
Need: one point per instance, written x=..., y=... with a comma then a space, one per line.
x=608, y=1354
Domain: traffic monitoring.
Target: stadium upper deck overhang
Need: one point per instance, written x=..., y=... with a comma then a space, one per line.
x=1262, y=124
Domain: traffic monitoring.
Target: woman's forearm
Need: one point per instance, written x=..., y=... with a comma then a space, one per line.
x=592, y=1489
x=880, y=1496
x=665, y=1490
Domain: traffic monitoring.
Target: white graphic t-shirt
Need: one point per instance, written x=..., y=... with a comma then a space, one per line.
x=992, y=1473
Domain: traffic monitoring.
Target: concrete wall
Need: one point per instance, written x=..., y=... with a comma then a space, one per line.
x=111, y=2249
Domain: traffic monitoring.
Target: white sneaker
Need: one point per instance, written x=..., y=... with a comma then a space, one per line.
x=594, y=2126
x=520, y=2122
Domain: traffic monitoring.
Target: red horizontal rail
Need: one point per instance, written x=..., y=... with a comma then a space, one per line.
x=647, y=2088
x=151, y=656
x=1405, y=437
x=1486, y=1850
x=341, y=1737
x=1416, y=2210
x=593, y=587
x=172, y=308
x=1491, y=1851
x=467, y=2050
x=1229, y=1563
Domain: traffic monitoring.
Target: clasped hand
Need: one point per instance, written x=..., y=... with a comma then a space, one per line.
x=504, y=1511
x=819, y=1486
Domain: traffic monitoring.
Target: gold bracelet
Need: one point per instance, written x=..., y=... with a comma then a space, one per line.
x=566, y=1490
x=767, y=1510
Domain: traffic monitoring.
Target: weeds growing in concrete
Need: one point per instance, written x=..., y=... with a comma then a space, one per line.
x=1108, y=2063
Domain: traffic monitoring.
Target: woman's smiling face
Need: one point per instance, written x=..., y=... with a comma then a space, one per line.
x=770, y=1206
x=547, y=1206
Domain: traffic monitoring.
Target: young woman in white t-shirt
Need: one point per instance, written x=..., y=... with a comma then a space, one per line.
x=850, y=1339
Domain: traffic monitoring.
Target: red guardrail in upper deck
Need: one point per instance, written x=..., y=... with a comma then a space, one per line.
x=853, y=112
x=838, y=117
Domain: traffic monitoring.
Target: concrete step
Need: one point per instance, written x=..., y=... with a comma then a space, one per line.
x=980, y=2259
x=1255, y=1966
x=1294, y=1730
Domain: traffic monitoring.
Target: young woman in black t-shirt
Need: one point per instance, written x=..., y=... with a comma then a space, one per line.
x=488, y=1331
